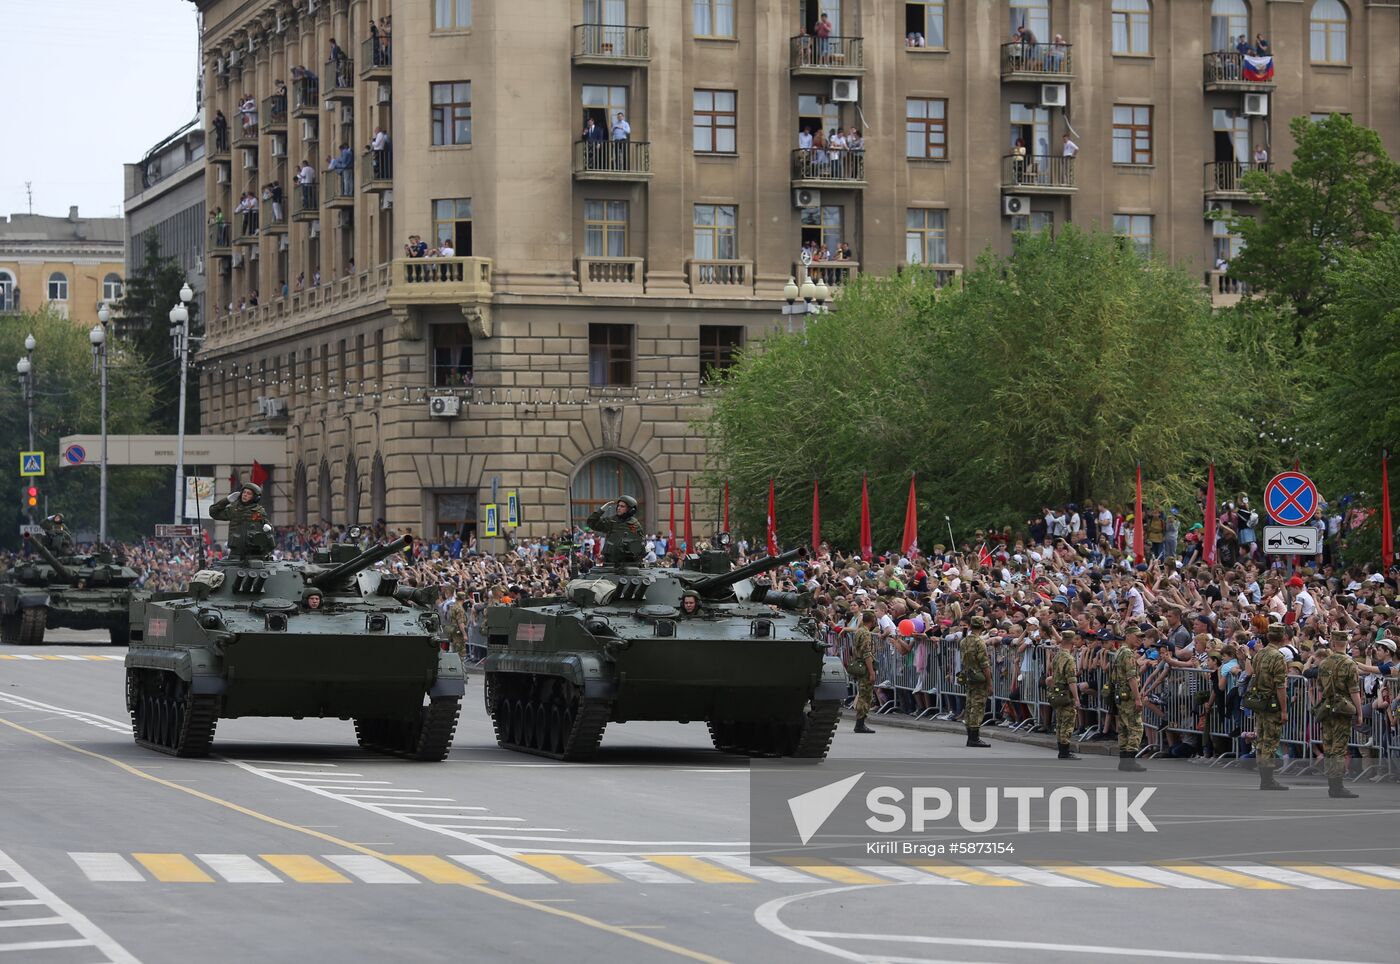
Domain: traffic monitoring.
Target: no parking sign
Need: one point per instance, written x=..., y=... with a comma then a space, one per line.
x=1291, y=499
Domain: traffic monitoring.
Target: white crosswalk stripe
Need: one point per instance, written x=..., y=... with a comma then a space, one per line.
x=106, y=868
x=501, y=868
x=239, y=869
x=1034, y=875
x=1283, y=875
x=641, y=871
x=1392, y=872
x=1166, y=878
x=773, y=874
x=907, y=875
x=370, y=870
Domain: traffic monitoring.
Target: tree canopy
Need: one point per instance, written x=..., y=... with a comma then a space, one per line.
x=143, y=324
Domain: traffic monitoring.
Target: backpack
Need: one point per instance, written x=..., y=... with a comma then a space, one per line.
x=1335, y=698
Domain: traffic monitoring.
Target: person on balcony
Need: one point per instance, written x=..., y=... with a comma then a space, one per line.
x=817, y=160
x=278, y=196
x=220, y=131
x=1026, y=37
x=347, y=171
x=1261, y=158
x=1018, y=160
x=836, y=147
x=279, y=98
x=1058, y=55
x=804, y=47
x=1068, y=148
x=844, y=253
x=593, y=138
x=445, y=249
x=621, y=132
x=854, y=142
x=823, y=34
x=306, y=180
x=379, y=153
x=337, y=59
x=248, y=113
x=804, y=139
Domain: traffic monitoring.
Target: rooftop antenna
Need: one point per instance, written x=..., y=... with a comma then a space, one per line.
x=29, y=191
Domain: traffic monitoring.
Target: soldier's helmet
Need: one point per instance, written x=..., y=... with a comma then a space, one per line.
x=56, y=518
x=252, y=487
x=690, y=594
x=626, y=507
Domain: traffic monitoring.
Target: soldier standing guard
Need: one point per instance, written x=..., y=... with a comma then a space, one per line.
x=617, y=522
x=1063, y=683
x=860, y=664
x=457, y=624
x=1338, y=705
x=249, y=535
x=976, y=676
x=1127, y=695
x=1267, y=699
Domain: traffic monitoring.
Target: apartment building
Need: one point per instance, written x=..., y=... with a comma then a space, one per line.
x=595, y=277
x=164, y=198
x=70, y=265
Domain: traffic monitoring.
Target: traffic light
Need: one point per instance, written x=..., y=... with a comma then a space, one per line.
x=32, y=496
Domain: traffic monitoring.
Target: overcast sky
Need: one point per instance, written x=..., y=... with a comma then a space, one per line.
x=87, y=86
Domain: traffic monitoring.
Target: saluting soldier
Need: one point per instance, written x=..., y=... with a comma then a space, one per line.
x=1268, y=700
x=861, y=666
x=1063, y=682
x=56, y=535
x=1338, y=706
x=617, y=521
x=976, y=676
x=457, y=624
x=1127, y=695
x=248, y=531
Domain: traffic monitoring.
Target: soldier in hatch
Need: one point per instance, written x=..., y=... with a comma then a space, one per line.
x=56, y=535
x=248, y=531
x=690, y=603
x=617, y=521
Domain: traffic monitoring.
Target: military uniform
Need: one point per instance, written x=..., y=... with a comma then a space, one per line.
x=1065, y=683
x=862, y=652
x=976, y=677
x=1270, y=673
x=1340, y=687
x=1122, y=673
x=246, y=536
x=625, y=544
x=57, y=538
x=457, y=627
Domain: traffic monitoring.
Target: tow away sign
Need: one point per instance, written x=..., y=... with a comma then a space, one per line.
x=1292, y=540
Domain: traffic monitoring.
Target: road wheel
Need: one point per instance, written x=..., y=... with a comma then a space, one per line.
x=33, y=622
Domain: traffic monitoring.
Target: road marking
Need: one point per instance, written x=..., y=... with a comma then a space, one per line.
x=1034, y=875
x=641, y=871
x=239, y=869
x=90, y=935
x=45, y=945
x=437, y=870
x=1373, y=881
x=431, y=806
x=1102, y=876
x=462, y=816
x=173, y=869
x=21, y=903
x=499, y=868
x=88, y=657
x=1166, y=878
x=842, y=875
x=92, y=719
x=907, y=875
x=106, y=868
x=32, y=922
x=970, y=875
x=700, y=870
x=1283, y=875
x=304, y=869
x=370, y=870
x=768, y=872
x=567, y=869
x=1222, y=876
x=1391, y=872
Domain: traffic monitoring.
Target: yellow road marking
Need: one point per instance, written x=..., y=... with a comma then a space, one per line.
x=969, y=875
x=577, y=918
x=174, y=869
x=437, y=870
x=304, y=869
x=1098, y=875
x=842, y=875
x=706, y=873
x=55, y=658
x=1346, y=876
x=1222, y=876
x=567, y=869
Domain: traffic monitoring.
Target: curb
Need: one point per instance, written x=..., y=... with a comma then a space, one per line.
x=1002, y=734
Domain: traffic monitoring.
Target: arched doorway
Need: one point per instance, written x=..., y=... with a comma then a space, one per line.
x=352, y=490
x=602, y=479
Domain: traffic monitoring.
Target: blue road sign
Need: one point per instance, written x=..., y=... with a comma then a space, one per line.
x=1291, y=499
x=31, y=463
x=75, y=455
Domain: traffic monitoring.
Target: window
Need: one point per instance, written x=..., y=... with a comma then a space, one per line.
x=718, y=346
x=1226, y=246
x=713, y=18
x=715, y=119
x=824, y=226
x=926, y=236
x=1137, y=229
x=1036, y=222
x=1034, y=15
x=452, y=355
x=452, y=113
x=9, y=300
x=455, y=513
x=1132, y=134
x=452, y=221
x=1329, y=32
x=1132, y=27
x=58, y=286
x=602, y=480
x=603, y=104
x=1229, y=20
x=925, y=24
x=1317, y=117
x=452, y=14
x=605, y=229
x=609, y=355
x=715, y=232
x=112, y=288
x=926, y=128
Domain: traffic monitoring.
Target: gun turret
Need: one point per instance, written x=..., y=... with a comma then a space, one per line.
x=711, y=585
x=364, y=560
x=59, y=568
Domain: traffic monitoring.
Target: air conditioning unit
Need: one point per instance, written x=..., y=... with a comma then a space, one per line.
x=219, y=65
x=1012, y=204
x=385, y=92
x=238, y=260
x=444, y=406
x=845, y=91
x=254, y=253
x=347, y=114
x=250, y=159
x=310, y=6
x=1256, y=105
x=283, y=243
x=345, y=218
x=221, y=174
x=315, y=231
x=804, y=198
x=386, y=200
x=1054, y=95
x=279, y=145
x=270, y=407
x=308, y=128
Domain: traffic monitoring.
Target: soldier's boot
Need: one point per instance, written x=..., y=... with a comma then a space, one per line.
x=974, y=737
x=1065, y=754
x=1127, y=760
x=861, y=727
x=1337, y=789
x=1266, y=778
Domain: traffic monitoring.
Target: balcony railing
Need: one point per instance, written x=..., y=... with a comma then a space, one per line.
x=428, y=281
x=219, y=235
x=376, y=57
x=217, y=147
x=616, y=276
x=1225, y=290
x=274, y=113
x=730, y=279
x=274, y=215
x=1227, y=177
x=612, y=160
x=338, y=187
x=244, y=136
x=826, y=55
x=834, y=273
x=306, y=96
x=606, y=43
x=1040, y=60
x=340, y=79
x=811, y=164
x=1038, y=173
x=245, y=226
x=377, y=169
x=305, y=205
x=1231, y=70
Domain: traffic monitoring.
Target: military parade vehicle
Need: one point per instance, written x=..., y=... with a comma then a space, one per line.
x=632, y=642
x=330, y=638
x=65, y=590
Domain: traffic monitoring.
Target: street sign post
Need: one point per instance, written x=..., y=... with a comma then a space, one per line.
x=31, y=464
x=1292, y=540
x=31, y=530
x=1291, y=499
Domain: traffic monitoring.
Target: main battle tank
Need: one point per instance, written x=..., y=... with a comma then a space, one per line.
x=70, y=591
x=244, y=639
x=618, y=647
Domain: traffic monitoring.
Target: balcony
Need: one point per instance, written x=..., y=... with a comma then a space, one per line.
x=610, y=45
x=305, y=206
x=1037, y=174
x=612, y=160
x=1225, y=291
x=1036, y=63
x=830, y=57
x=720, y=279
x=219, y=238
x=217, y=149
x=1227, y=70
x=819, y=168
x=376, y=58
x=338, y=189
x=271, y=223
x=1225, y=180
x=340, y=79
x=274, y=113
x=377, y=171
x=610, y=276
x=464, y=283
x=834, y=273
x=306, y=97
x=244, y=136
x=245, y=227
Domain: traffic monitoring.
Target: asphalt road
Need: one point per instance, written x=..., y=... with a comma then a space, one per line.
x=291, y=844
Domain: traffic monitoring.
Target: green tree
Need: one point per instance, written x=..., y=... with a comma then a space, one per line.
x=1340, y=193
x=143, y=323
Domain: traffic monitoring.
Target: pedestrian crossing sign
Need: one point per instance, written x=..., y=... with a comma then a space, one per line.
x=512, y=509
x=31, y=464
x=492, y=520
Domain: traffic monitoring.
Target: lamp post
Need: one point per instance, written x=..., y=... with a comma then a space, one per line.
x=180, y=342
x=25, y=367
x=813, y=295
x=98, y=337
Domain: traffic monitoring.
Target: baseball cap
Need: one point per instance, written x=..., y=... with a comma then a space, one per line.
x=1296, y=582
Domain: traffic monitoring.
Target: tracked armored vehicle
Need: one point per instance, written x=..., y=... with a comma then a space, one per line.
x=333, y=638
x=622, y=643
x=69, y=591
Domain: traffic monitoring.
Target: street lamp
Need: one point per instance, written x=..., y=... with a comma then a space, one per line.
x=180, y=343
x=98, y=337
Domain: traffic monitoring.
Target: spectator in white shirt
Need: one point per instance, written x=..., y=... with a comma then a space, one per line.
x=1069, y=147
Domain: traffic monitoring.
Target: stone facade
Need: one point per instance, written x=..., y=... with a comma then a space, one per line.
x=70, y=265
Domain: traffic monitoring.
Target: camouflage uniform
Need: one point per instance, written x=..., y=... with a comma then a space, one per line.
x=1066, y=683
x=626, y=544
x=862, y=649
x=246, y=536
x=1270, y=673
x=57, y=538
x=457, y=627
x=976, y=677
x=1122, y=672
x=1339, y=683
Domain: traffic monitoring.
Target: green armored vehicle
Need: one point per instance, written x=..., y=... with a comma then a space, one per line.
x=62, y=589
x=631, y=642
x=330, y=638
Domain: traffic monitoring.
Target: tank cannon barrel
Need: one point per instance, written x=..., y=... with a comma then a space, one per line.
x=723, y=580
x=59, y=568
x=784, y=600
x=364, y=560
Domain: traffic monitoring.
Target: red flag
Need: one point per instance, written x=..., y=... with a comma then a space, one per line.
x=1387, y=528
x=984, y=558
x=1208, y=535
x=671, y=533
x=689, y=539
x=867, y=547
x=1139, y=550
x=260, y=473
x=816, y=520
x=909, y=542
x=726, y=507
x=772, y=519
